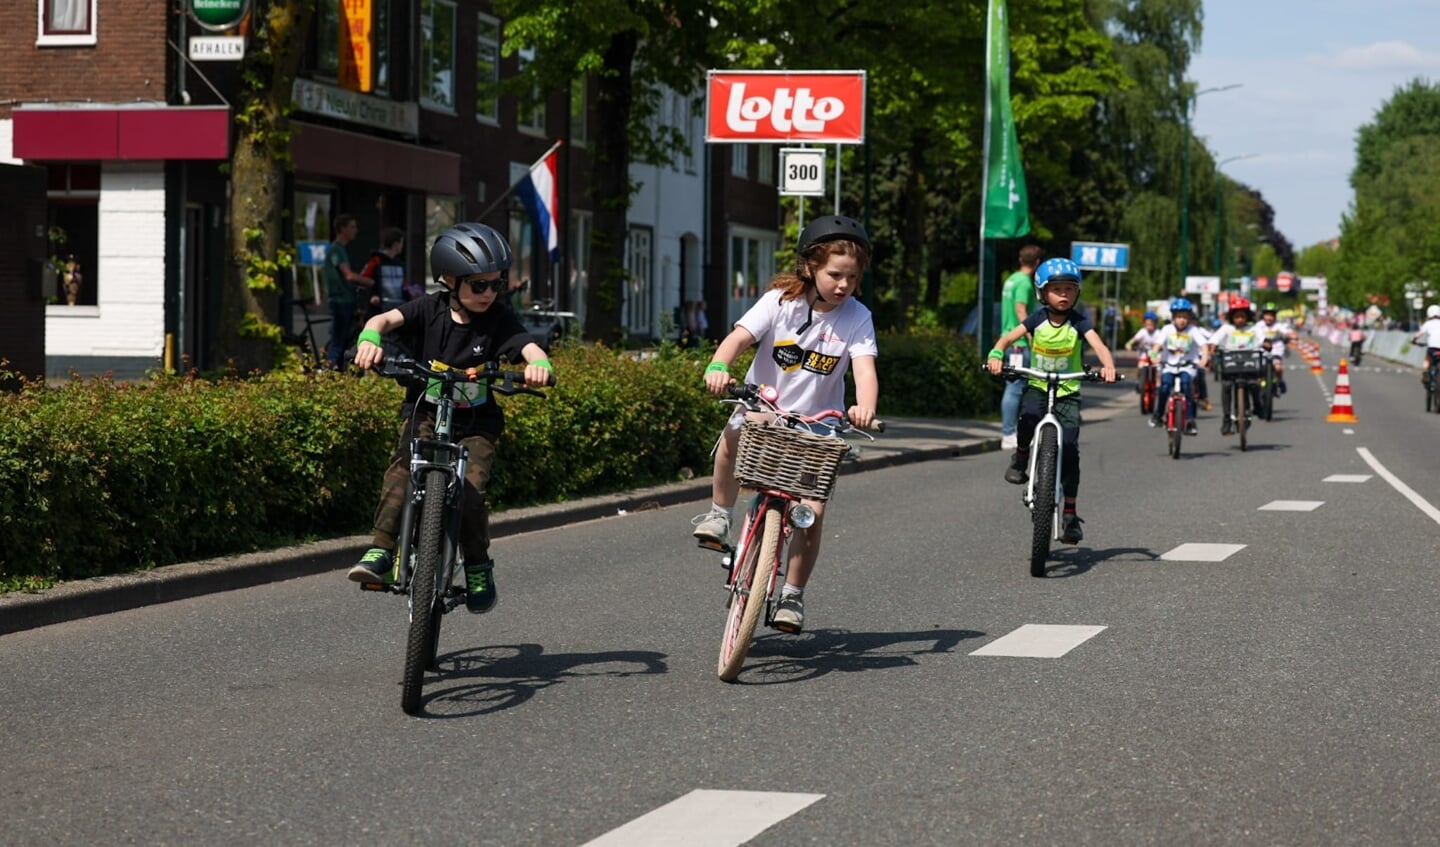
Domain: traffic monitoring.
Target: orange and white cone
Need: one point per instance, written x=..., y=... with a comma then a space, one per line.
x=1341, y=411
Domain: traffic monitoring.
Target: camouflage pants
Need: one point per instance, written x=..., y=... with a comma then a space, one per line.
x=475, y=512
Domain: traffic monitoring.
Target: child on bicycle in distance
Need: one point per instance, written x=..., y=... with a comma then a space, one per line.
x=1056, y=330
x=1238, y=334
x=810, y=330
x=1177, y=347
x=1144, y=337
x=1277, y=333
x=1429, y=334
x=462, y=326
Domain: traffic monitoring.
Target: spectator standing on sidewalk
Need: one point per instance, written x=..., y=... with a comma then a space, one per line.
x=1017, y=300
x=340, y=289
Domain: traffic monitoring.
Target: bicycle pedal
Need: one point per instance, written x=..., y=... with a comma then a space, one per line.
x=717, y=546
x=374, y=586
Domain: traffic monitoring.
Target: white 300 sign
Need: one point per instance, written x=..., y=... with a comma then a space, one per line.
x=802, y=171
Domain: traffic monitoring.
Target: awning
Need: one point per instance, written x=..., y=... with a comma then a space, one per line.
x=350, y=155
x=89, y=131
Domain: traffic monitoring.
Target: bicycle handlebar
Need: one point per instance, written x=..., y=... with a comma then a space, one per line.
x=501, y=381
x=751, y=397
x=1018, y=372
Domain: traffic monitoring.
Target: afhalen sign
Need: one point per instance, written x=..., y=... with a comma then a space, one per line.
x=819, y=106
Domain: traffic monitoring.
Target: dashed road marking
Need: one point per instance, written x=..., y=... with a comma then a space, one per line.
x=705, y=818
x=1348, y=477
x=1039, y=641
x=1196, y=552
x=1348, y=431
x=1291, y=506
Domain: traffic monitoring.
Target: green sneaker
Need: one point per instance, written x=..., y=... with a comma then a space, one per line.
x=480, y=594
x=377, y=566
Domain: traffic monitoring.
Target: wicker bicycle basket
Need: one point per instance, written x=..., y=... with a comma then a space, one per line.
x=795, y=462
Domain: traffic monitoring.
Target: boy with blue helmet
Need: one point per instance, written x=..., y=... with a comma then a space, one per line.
x=1179, y=352
x=1056, y=330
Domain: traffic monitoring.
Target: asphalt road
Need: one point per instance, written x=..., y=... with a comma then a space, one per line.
x=1284, y=693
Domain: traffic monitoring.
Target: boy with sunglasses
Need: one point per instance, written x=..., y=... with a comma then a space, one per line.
x=465, y=325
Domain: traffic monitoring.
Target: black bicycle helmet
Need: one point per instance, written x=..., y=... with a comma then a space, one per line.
x=469, y=248
x=833, y=228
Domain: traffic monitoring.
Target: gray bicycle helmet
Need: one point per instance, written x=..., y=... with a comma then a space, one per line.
x=469, y=248
x=833, y=228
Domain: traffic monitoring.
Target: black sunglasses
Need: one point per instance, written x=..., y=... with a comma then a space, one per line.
x=479, y=286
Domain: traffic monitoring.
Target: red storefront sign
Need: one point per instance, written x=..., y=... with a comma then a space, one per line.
x=820, y=106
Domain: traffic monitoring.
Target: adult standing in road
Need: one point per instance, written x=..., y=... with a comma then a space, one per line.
x=1017, y=300
x=340, y=283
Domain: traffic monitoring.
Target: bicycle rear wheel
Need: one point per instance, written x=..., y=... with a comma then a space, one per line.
x=755, y=564
x=423, y=637
x=1147, y=390
x=1042, y=510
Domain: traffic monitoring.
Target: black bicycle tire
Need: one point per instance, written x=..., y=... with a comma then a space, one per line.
x=1042, y=508
x=424, y=600
x=752, y=582
x=1240, y=391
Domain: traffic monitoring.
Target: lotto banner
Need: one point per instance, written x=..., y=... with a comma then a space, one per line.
x=770, y=106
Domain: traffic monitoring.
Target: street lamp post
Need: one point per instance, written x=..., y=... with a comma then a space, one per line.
x=1185, y=181
x=1220, y=215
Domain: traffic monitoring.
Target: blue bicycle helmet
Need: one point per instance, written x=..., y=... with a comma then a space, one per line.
x=1182, y=304
x=1059, y=270
x=1151, y=316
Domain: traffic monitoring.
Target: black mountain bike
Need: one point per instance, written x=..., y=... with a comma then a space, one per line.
x=1240, y=371
x=429, y=564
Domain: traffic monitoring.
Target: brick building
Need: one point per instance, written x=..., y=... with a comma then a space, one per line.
x=132, y=122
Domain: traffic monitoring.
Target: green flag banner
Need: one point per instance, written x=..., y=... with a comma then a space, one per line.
x=1007, y=209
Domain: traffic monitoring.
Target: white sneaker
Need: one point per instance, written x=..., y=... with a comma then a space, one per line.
x=1009, y=442
x=713, y=526
x=790, y=614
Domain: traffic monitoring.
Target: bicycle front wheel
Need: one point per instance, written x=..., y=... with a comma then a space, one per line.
x=1042, y=510
x=1147, y=390
x=1177, y=428
x=755, y=564
x=424, y=634
x=1241, y=412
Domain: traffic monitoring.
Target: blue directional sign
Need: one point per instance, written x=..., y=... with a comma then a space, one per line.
x=1098, y=256
x=311, y=253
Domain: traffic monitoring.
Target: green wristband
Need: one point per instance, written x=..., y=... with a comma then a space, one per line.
x=717, y=367
x=544, y=363
x=996, y=354
x=371, y=336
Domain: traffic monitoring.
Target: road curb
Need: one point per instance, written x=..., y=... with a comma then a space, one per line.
x=103, y=595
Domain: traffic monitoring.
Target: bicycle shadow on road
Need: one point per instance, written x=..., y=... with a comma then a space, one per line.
x=513, y=673
x=776, y=659
x=1073, y=561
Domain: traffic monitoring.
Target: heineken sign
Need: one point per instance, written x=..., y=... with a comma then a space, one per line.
x=219, y=14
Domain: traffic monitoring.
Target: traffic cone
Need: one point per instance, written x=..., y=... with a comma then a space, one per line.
x=1341, y=410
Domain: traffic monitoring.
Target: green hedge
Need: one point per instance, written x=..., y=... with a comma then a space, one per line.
x=98, y=477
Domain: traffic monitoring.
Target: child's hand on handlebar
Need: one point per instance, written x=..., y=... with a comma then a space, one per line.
x=861, y=417
x=368, y=355
x=537, y=376
x=718, y=383
x=1108, y=373
x=993, y=365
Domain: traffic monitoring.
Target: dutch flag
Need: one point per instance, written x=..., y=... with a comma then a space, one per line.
x=540, y=193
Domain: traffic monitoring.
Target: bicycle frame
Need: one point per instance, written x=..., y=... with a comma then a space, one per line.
x=1177, y=391
x=1048, y=421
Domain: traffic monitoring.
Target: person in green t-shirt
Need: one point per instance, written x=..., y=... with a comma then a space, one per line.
x=1017, y=301
x=340, y=282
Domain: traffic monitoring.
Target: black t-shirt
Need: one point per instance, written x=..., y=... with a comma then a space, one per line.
x=431, y=334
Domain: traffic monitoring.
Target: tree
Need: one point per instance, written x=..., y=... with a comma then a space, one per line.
x=635, y=50
x=247, y=333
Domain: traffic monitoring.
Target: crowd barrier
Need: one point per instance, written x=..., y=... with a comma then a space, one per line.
x=1390, y=344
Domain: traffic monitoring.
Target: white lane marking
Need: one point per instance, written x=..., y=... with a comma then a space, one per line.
x=1193, y=552
x=1348, y=477
x=1039, y=641
x=706, y=818
x=1348, y=431
x=1420, y=502
x=1291, y=506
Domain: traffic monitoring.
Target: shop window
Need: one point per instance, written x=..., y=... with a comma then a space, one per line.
x=73, y=218
x=441, y=213
x=525, y=283
x=437, y=54
x=487, y=68
x=752, y=265
x=67, y=23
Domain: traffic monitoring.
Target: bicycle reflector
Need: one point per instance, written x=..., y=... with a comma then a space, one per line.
x=802, y=516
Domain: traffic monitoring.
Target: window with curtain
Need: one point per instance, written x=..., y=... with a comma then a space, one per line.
x=73, y=200
x=65, y=22
x=437, y=54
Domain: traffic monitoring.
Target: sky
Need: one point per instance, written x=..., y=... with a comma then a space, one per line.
x=1311, y=73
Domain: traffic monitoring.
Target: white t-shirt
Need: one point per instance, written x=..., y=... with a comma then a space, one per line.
x=1231, y=337
x=1143, y=339
x=1430, y=332
x=1179, y=347
x=808, y=370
